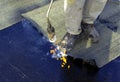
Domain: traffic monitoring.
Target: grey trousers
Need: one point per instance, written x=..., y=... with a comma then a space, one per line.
x=81, y=10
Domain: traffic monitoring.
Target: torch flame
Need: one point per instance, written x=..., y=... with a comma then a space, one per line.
x=60, y=55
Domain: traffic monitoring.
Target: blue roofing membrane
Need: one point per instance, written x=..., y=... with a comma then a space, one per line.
x=24, y=57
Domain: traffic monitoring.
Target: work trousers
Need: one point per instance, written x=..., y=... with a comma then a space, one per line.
x=81, y=10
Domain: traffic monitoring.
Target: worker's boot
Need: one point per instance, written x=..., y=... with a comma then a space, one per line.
x=92, y=32
x=68, y=41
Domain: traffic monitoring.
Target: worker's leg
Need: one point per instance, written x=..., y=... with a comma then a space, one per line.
x=73, y=15
x=92, y=10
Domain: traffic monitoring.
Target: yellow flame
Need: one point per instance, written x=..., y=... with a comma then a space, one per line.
x=68, y=66
x=64, y=62
x=63, y=59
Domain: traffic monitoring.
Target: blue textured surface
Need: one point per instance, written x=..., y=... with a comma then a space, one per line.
x=24, y=58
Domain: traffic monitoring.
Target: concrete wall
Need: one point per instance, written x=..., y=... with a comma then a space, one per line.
x=10, y=10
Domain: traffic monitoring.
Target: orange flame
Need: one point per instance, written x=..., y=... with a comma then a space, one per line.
x=63, y=58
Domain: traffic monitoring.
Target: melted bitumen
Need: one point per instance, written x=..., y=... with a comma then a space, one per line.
x=24, y=57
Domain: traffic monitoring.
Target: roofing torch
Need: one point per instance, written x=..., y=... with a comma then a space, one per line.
x=50, y=28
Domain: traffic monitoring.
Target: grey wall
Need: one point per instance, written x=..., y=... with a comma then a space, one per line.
x=10, y=10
